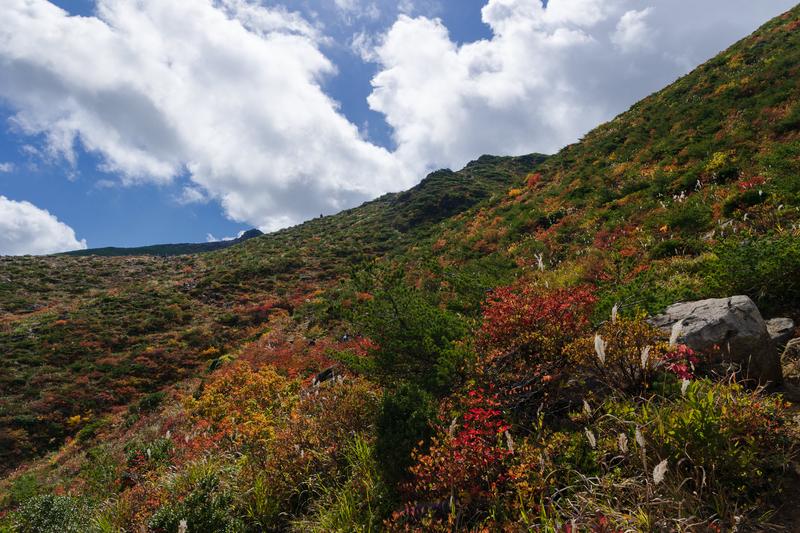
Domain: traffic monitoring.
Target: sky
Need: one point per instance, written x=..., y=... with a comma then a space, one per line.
x=135, y=122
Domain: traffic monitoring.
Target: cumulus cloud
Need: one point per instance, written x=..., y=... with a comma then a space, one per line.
x=227, y=91
x=26, y=229
x=6, y=167
x=633, y=31
x=547, y=75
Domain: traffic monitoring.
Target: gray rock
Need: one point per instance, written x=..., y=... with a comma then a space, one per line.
x=734, y=325
x=780, y=330
x=790, y=361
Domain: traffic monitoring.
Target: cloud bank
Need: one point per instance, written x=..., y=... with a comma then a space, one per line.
x=26, y=229
x=228, y=93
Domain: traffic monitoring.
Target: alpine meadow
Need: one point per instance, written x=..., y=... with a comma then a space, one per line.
x=604, y=339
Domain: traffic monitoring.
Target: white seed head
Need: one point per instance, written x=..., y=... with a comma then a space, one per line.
x=590, y=438
x=587, y=408
x=677, y=329
x=600, y=349
x=622, y=442
x=509, y=442
x=659, y=471
x=684, y=387
x=452, y=430
x=614, y=311
x=645, y=356
x=640, y=438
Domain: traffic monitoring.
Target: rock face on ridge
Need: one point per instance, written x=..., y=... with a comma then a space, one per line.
x=733, y=324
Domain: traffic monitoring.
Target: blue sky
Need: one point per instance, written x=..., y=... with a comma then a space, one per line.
x=425, y=83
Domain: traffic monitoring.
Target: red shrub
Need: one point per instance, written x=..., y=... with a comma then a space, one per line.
x=466, y=463
x=521, y=317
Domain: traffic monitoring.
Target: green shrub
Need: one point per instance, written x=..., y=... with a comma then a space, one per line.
x=23, y=488
x=743, y=200
x=727, y=441
x=207, y=507
x=691, y=216
x=676, y=247
x=403, y=422
x=767, y=269
x=52, y=514
x=417, y=341
x=89, y=431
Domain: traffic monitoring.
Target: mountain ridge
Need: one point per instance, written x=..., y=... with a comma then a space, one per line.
x=166, y=249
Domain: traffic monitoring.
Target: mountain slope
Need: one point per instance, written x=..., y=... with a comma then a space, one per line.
x=715, y=154
x=81, y=335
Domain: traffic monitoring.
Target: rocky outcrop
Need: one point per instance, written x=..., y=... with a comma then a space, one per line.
x=790, y=361
x=732, y=326
x=780, y=330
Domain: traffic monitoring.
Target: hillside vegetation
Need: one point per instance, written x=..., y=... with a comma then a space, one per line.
x=492, y=369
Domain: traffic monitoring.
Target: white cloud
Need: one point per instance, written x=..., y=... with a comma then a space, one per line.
x=26, y=229
x=355, y=9
x=210, y=237
x=228, y=91
x=6, y=167
x=547, y=75
x=191, y=195
x=633, y=31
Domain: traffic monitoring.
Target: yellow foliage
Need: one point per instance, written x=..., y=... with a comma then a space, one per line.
x=718, y=161
x=244, y=403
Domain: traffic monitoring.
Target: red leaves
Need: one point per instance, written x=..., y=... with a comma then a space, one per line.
x=466, y=460
x=752, y=183
x=514, y=316
x=534, y=179
x=681, y=361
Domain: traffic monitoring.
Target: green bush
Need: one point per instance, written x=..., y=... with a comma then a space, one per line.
x=89, y=431
x=691, y=216
x=403, y=422
x=207, y=507
x=743, y=200
x=728, y=441
x=767, y=269
x=676, y=247
x=23, y=488
x=417, y=341
x=52, y=514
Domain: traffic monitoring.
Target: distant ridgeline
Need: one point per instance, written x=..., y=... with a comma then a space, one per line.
x=168, y=249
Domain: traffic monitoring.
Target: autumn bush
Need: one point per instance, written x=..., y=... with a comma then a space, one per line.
x=524, y=332
x=462, y=473
x=243, y=406
x=625, y=354
x=308, y=451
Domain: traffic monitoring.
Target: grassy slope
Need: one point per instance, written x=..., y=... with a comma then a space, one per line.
x=713, y=155
x=84, y=335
